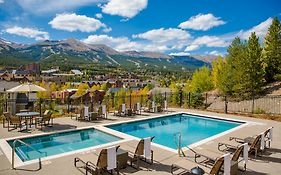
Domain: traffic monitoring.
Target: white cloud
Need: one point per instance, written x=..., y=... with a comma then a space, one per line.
x=226, y=39
x=124, y=43
x=177, y=41
x=164, y=35
x=124, y=8
x=214, y=52
x=191, y=48
x=118, y=43
x=73, y=22
x=28, y=32
x=210, y=41
x=107, y=29
x=105, y=39
x=99, y=15
x=180, y=54
x=260, y=29
x=202, y=22
x=54, y=6
x=1, y=1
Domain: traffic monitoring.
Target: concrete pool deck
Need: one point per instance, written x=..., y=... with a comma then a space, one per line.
x=269, y=163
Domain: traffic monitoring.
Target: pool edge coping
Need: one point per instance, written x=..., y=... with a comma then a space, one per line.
x=7, y=149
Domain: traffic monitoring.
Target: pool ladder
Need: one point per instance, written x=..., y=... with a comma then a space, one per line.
x=29, y=146
x=177, y=137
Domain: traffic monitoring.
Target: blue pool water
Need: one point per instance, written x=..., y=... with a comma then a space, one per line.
x=192, y=128
x=54, y=144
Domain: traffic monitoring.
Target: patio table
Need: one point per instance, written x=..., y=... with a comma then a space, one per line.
x=26, y=116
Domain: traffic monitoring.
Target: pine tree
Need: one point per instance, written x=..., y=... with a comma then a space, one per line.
x=230, y=77
x=253, y=70
x=272, y=51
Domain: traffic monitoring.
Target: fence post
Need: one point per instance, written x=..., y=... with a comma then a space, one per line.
x=68, y=101
x=180, y=98
x=40, y=109
x=141, y=100
x=189, y=99
x=6, y=104
x=253, y=103
x=225, y=104
x=112, y=99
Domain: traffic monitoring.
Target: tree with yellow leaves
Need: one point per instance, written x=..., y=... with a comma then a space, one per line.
x=82, y=88
x=96, y=87
x=217, y=67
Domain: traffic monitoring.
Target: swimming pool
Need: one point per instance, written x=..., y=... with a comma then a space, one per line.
x=59, y=143
x=192, y=128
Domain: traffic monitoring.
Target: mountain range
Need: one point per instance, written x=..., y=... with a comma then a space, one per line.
x=75, y=52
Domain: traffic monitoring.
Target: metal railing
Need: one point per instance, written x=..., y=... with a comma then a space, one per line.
x=178, y=143
x=29, y=146
x=269, y=104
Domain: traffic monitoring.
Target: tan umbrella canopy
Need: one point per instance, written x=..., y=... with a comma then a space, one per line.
x=28, y=87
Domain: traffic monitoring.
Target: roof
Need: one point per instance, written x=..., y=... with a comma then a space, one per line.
x=76, y=72
x=50, y=71
x=70, y=90
x=21, y=72
x=7, y=85
x=63, y=74
x=3, y=71
x=114, y=90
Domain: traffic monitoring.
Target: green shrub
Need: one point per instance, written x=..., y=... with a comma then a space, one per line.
x=259, y=111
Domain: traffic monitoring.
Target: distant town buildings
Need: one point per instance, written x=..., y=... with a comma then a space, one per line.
x=33, y=73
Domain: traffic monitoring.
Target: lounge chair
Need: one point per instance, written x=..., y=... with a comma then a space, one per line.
x=13, y=120
x=254, y=146
x=121, y=111
x=165, y=107
x=102, y=111
x=149, y=107
x=118, y=112
x=137, y=109
x=81, y=115
x=215, y=170
x=210, y=157
x=99, y=167
x=139, y=154
x=267, y=138
x=45, y=120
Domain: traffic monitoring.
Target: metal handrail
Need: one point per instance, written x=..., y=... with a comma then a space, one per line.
x=28, y=145
x=180, y=151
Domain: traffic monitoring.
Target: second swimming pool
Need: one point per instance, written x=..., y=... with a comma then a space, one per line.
x=58, y=143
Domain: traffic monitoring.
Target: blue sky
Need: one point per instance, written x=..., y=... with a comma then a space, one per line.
x=179, y=27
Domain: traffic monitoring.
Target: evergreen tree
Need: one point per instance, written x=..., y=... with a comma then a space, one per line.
x=225, y=79
x=253, y=70
x=229, y=79
x=272, y=51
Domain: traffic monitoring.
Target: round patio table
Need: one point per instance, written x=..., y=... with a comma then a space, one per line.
x=26, y=116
